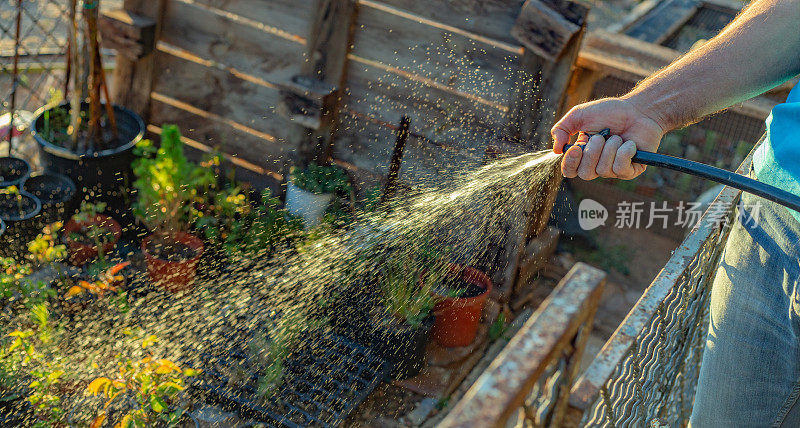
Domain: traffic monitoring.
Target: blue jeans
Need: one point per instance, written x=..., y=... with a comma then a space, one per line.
x=750, y=375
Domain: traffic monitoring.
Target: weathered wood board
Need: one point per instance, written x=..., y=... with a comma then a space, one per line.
x=470, y=65
x=492, y=19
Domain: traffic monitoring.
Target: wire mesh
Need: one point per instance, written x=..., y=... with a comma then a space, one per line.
x=654, y=382
x=703, y=25
x=40, y=46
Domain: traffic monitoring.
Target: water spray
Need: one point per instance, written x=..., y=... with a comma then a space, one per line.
x=712, y=173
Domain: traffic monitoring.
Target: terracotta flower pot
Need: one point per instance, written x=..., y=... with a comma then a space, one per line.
x=79, y=252
x=457, y=318
x=174, y=276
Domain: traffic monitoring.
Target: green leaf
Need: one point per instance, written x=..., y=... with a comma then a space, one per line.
x=157, y=404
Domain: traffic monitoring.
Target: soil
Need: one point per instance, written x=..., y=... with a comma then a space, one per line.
x=12, y=208
x=458, y=287
x=59, y=121
x=170, y=251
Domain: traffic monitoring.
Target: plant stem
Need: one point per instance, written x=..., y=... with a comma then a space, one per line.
x=75, y=100
x=90, y=16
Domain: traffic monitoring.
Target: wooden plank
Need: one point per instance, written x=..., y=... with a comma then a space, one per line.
x=491, y=19
x=368, y=146
x=225, y=136
x=219, y=94
x=662, y=20
x=437, y=115
x=453, y=59
x=231, y=43
x=544, y=30
x=292, y=17
x=134, y=78
x=630, y=59
x=329, y=44
x=543, y=84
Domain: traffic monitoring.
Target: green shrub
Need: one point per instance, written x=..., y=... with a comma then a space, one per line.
x=167, y=183
x=320, y=179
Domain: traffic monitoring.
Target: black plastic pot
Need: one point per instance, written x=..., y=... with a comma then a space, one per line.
x=105, y=175
x=350, y=312
x=18, y=212
x=13, y=171
x=2, y=227
x=55, y=192
x=402, y=345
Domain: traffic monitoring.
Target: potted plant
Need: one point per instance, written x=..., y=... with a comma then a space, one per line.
x=461, y=297
x=243, y=229
x=80, y=295
x=144, y=393
x=83, y=138
x=13, y=171
x=17, y=210
x=167, y=184
x=90, y=234
x=54, y=191
x=404, y=325
x=310, y=191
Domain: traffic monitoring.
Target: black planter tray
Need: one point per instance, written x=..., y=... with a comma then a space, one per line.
x=324, y=382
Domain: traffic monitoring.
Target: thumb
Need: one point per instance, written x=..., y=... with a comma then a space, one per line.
x=570, y=124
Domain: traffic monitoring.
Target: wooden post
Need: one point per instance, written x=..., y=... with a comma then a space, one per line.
x=551, y=32
x=133, y=74
x=328, y=45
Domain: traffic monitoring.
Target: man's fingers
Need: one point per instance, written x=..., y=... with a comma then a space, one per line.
x=591, y=155
x=571, y=161
x=605, y=166
x=622, y=162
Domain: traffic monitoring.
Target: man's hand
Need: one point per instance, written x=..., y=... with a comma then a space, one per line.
x=631, y=129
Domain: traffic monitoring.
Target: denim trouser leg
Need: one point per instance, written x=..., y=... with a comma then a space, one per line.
x=750, y=375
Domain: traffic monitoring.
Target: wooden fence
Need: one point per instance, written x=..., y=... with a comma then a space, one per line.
x=274, y=83
x=264, y=80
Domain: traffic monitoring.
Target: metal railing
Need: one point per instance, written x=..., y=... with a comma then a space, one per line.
x=530, y=379
x=646, y=373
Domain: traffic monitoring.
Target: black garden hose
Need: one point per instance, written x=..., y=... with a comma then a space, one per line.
x=712, y=173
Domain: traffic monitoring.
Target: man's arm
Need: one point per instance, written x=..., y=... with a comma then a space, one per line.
x=759, y=50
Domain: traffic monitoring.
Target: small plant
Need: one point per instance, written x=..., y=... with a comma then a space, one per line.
x=91, y=232
x=408, y=286
x=45, y=398
x=46, y=249
x=498, y=327
x=15, y=285
x=14, y=192
x=22, y=359
x=321, y=179
x=167, y=184
x=154, y=386
x=106, y=282
x=246, y=228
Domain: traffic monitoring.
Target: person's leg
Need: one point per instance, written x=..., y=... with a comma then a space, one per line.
x=750, y=373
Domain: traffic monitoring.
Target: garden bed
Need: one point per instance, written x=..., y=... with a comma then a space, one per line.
x=288, y=316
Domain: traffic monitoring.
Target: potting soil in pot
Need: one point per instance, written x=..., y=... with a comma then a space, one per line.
x=172, y=251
